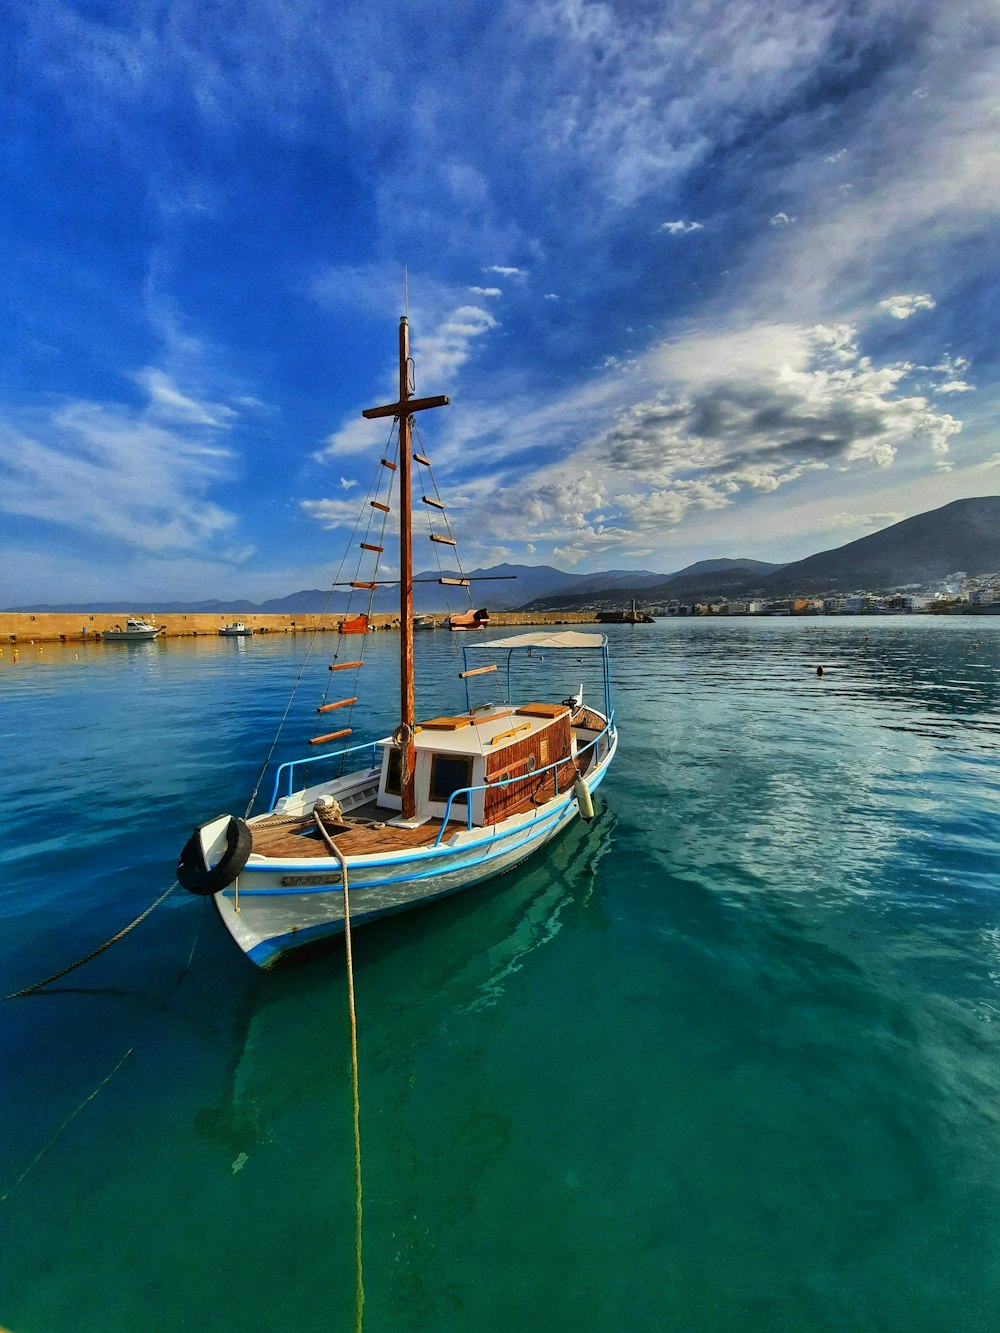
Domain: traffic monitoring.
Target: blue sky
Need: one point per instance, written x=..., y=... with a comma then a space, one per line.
x=717, y=278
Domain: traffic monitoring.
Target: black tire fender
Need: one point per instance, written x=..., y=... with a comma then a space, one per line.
x=194, y=873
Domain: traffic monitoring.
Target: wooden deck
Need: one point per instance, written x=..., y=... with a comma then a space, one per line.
x=292, y=839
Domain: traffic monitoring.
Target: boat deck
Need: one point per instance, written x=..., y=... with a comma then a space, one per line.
x=364, y=832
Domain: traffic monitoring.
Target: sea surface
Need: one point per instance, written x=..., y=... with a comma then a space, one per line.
x=726, y=1059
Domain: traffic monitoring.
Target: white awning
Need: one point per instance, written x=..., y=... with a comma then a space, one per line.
x=565, y=639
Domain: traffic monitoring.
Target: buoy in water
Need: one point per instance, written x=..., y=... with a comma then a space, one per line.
x=819, y=671
x=584, y=800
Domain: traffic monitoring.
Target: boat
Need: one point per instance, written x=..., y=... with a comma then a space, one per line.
x=424, y=622
x=470, y=620
x=629, y=617
x=135, y=631
x=437, y=804
x=236, y=630
x=354, y=625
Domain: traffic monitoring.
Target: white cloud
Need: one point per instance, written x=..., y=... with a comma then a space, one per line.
x=680, y=228
x=782, y=220
x=167, y=401
x=884, y=519
x=837, y=156
x=486, y=291
x=551, y=296
x=116, y=474
x=504, y=271
x=331, y=513
x=444, y=331
x=726, y=414
x=346, y=483
x=902, y=307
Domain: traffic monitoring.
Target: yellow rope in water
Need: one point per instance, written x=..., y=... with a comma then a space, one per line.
x=359, y=1291
x=359, y=1297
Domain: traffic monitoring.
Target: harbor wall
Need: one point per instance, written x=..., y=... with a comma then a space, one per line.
x=21, y=627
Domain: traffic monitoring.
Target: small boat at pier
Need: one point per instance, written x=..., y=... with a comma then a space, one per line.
x=470, y=620
x=236, y=630
x=135, y=631
x=354, y=625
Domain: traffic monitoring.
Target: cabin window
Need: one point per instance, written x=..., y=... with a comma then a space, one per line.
x=394, y=774
x=449, y=773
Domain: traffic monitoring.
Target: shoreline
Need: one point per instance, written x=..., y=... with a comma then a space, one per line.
x=21, y=627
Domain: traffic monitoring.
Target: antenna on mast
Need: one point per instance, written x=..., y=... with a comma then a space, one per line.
x=406, y=292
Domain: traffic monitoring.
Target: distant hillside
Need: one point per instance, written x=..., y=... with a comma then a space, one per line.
x=963, y=535
x=504, y=587
x=137, y=606
x=705, y=578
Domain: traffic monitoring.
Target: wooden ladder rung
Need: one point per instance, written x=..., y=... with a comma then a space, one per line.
x=476, y=671
x=428, y=501
x=454, y=583
x=421, y=459
x=364, y=585
x=344, y=666
x=368, y=546
x=445, y=541
x=341, y=703
x=388, y=463
x=376, y=504
x=331, y=736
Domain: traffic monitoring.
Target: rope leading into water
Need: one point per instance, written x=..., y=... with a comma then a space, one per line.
x=30, y=990
x=359, y=1290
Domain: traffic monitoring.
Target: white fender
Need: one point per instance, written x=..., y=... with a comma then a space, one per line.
x=584, y=800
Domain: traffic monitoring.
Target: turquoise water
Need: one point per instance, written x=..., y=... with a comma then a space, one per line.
x=726, y=1059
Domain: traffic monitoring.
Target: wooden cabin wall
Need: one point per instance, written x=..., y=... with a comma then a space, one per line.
x=511, y=761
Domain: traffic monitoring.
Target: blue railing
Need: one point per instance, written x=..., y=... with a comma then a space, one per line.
x=316, y=759
x=465, y=793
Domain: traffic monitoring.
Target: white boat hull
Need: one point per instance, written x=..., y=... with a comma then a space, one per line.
x=277, y=906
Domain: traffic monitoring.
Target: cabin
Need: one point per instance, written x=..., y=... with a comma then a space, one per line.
x=490, y=745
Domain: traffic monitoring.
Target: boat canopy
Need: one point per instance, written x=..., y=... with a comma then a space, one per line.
x=565, y=639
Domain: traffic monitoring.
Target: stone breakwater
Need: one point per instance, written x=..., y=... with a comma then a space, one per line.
x=22, y=627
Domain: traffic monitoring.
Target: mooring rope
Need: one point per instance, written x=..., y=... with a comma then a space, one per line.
x=71, y=1117
x=30, y=990
x=359, y=1290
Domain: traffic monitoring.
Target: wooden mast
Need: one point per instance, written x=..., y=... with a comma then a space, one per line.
x=403, y=411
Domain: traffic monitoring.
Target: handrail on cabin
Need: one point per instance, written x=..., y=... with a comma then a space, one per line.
x=466, y=792
x=315, y=759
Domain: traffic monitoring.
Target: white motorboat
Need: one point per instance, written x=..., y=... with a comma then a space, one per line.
x=135, y=631
x=237, y=630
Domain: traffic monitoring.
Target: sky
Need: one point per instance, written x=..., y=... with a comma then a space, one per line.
x=708, y=279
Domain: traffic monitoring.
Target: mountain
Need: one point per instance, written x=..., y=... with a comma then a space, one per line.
x=705, y=578
x=927, y=548
x=138, y=605
x=963, y=535
x=724, y=567
x=503, y=587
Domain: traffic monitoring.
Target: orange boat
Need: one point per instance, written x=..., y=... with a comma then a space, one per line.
x=356, y=625
x=470, y=620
